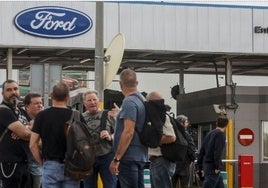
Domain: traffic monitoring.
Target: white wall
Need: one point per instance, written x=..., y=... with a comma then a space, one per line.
x=186, y=28
x=169, y=27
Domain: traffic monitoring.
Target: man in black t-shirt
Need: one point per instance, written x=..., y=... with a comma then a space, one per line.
x=49, y=126
x=14, y=135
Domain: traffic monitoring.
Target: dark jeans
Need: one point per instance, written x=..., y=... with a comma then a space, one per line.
x=34, y=181
x=14, y=175
x=213, y=181
x=101, y=166
x=161, y=172
x=131, y=174
x=183, y=180
x=182, y=175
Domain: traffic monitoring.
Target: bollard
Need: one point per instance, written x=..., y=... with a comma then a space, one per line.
x=147, y=181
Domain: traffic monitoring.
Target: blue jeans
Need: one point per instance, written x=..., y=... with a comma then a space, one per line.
x=131, y=174
x=35, y=171
x=161, y=171
x=102, y=164
x=53, y=176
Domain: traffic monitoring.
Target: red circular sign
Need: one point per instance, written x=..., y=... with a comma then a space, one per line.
x=245, y=136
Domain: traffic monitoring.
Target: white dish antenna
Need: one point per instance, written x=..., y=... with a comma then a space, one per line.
x=113, y=57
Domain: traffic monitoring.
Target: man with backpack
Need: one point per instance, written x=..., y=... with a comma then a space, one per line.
x=182, y=174
x=130, y=155
x=161, y=169
x=101, y=129
x=49, y=126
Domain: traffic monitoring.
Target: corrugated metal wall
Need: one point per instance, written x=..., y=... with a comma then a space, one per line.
x=152, y=26
x=260, y=18
x=163, y=27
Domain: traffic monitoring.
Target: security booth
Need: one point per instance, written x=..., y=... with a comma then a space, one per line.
x=246, y=108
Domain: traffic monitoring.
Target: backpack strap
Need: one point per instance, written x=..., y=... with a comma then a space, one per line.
x=176, y=123
x=103, y=119
x=6, y=129
x=3, y=106
x=75, y=116
x=3, y=134
x=142, y=100
x=138, y=96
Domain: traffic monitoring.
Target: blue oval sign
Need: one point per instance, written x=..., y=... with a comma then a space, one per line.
x=53, y=22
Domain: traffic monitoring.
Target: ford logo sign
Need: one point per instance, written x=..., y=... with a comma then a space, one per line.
x=53, y=22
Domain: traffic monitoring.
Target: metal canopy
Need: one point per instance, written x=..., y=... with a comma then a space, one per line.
x=142, y=61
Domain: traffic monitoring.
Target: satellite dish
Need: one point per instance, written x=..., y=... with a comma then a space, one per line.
x=175, y=91
x=113, y=57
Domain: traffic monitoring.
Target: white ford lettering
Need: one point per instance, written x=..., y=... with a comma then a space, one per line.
x=53, y=22
x=48, y=20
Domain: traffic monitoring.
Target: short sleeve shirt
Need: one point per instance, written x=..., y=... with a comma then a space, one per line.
x=93, y=126
x=12, y=150
x=50, y=125
x=168, y=131
x=133, y=109
x=168, y=128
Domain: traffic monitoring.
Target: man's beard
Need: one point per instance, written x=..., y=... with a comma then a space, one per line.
x=13, y=101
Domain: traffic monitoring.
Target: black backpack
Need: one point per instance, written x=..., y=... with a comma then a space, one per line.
x=152, y=131
x=191, y=150
x=79, y=157
x=177, y=150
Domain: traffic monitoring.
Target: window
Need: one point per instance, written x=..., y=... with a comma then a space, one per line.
x=265, y=141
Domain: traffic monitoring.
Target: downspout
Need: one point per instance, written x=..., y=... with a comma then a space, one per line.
x=230, y=127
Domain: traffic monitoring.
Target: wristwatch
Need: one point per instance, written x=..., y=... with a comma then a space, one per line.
x=116, y=160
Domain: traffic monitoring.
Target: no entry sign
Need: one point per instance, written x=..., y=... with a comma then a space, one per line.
x=245, y=136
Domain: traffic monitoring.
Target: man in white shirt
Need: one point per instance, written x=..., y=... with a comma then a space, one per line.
x=161, y=169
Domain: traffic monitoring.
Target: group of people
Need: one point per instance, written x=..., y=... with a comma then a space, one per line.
x=33, y=141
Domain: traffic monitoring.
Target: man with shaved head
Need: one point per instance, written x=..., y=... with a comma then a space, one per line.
x=161, y=169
